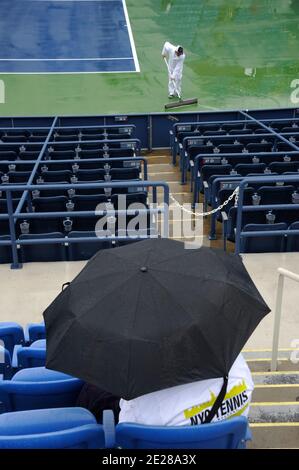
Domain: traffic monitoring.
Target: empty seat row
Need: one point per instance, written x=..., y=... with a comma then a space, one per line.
x=38, y=412
x=98, y=163
x=244, y=169
x=66, y=251
x=14, y=177
x=268, y=220
x=12, y=334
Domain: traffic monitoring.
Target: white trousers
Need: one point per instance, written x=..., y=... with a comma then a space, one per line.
x=173, y=90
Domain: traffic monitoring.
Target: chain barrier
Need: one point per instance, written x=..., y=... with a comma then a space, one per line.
x=235, y=195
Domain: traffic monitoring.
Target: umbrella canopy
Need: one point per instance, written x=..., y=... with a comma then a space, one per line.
x=152, y=315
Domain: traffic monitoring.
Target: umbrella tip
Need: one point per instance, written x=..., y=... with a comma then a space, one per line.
x=143, y=269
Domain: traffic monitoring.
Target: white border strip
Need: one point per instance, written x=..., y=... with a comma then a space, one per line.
x=97, y=59
x=137, y=67
x=63, y=73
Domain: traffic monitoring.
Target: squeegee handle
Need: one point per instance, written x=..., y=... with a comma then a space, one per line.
x=167, y=65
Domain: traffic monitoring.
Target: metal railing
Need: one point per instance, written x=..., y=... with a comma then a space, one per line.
x=277, y=314
x=13, y=215
x=240, y=208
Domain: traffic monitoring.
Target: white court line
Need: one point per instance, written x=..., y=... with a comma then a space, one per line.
x=137, y=67
x=64, y=73
x=56, y=60
x=61, y=1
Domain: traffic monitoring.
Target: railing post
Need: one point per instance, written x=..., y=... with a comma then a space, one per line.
x=282, y=274
x=239, y=219
x=277, y=317
x=14, y=250
x=166, y=211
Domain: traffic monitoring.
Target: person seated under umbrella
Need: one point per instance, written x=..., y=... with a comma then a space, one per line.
x=191, y=403
x=161, y=328
x=187, y=404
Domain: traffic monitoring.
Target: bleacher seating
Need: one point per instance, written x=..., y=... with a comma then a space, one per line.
x=229, y=434
x=38, y=388
x=6, y=370
x=35, y=331
x=56, y=428
x=31, y=356
x=71, y=155
x=11, y=334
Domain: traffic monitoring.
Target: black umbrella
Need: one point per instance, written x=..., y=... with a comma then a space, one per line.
x=152, y=315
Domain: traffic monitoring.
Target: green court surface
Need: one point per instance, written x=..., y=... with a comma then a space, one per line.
x=240, y=54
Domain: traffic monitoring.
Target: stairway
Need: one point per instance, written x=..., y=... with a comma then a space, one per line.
x=274, y=411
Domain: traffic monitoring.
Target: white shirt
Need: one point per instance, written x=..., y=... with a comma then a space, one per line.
x=189, y=403
x=175, y=63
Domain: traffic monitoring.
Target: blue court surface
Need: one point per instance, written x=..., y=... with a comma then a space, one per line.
x=66, y=36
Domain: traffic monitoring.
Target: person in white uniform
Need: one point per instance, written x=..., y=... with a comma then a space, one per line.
x=190, y=404
x=175, y=58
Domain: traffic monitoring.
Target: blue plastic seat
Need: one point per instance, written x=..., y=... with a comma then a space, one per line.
x=35, y=331
x=267, y=244
x=281, y=167
x=228, y=434
x=85, y=250
x=6, y=370
x=11, y=333
x=276, y=194
x=31, y=356
x=58, y=428
x=45, y=251
x=245, y=168
x=50, y=204
x=293, y=240
x=5, y=251
x=38, y=388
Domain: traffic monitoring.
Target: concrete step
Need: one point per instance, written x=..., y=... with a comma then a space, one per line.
x=274, y=412
x=263, y=365
x=276, y=393
x=157, y=159
x=166, y=176
x=266, y=353
x=276, y=378
x=274, y=436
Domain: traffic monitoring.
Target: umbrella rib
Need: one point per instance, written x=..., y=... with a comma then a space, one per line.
x=133, y=322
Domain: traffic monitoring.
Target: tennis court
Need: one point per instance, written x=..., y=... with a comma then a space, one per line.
x=66, y=36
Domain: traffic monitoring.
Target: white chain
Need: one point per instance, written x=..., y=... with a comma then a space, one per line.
x=235, y=195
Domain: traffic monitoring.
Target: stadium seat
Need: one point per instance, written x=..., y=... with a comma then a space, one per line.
x=50, y=204
x=229, y=434
x=282, y=167
x=6, y=370
x=58, y=428
x=293, y=240
x=45, y=251
x=5, y=251
x=88, y=202
x=53, y=176
x=265, y=244
x=35, y=331
x=38, y=388
x=31, y=356
x=245, y=168
x=85, y=250
x=11, y=334
x=276, y=194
